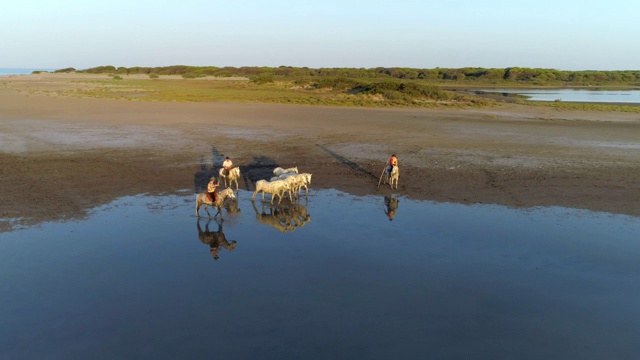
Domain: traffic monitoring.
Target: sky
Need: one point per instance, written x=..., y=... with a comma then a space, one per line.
x=425, y=34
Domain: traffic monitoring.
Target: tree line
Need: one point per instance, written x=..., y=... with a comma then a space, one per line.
x=469, y=76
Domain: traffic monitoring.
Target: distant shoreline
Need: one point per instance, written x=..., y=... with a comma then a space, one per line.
x=21, y=71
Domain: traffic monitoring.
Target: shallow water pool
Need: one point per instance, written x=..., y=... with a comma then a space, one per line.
x=328, y=277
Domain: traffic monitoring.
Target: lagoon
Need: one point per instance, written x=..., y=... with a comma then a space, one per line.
x=573, y=95
x=140, y=278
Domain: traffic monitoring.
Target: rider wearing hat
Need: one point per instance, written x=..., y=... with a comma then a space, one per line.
x=212, y=187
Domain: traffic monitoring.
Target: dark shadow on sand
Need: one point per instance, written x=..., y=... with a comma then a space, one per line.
x=202, y=176
x=347, y=162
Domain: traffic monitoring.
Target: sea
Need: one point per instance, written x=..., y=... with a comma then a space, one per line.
x=21, y=71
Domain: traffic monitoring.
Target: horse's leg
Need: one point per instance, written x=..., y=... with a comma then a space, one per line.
x=198, y=208
x=206, y=208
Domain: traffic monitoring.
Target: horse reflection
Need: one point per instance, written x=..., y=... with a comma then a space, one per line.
x=215, y=239
x=284, y=217
x=232, y=206
x=391, y=206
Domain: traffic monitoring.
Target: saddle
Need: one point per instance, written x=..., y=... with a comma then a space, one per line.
x=211, y=198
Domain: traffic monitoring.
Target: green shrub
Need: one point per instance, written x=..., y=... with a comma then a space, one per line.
x=192, y=75
x=394, y=90
x=65, y=70
x=261, y=79
x=338, y=83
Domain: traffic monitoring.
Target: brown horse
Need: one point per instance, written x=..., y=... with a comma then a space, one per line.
x=203, y=199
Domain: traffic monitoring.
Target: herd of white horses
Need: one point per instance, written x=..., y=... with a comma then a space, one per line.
x=284, y=182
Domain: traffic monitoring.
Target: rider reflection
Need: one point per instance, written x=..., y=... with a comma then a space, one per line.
x=391, y=206
x=215, y=239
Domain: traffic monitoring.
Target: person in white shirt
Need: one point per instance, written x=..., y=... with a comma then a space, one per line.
x=227, y=165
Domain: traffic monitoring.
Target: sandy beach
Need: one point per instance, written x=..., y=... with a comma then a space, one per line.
x=61, y=156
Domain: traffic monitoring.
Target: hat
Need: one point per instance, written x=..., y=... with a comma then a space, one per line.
x=213, y=178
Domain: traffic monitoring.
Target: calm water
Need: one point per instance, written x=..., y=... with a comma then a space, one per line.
x=139, y=279
x=575, y=95
x=20, y=71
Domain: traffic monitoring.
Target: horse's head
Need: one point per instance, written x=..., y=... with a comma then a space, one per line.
x=232, y=245
x=231, y=195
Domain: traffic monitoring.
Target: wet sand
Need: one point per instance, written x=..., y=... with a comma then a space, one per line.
x=61, y=156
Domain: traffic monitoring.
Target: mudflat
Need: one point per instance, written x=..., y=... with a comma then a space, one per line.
x=61, y=156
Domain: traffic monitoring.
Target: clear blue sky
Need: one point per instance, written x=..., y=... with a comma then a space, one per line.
x=564, y=35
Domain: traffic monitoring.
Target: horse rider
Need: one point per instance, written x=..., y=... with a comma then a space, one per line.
x=227, y=165
x=390, y=214
x=391, y=206
x=212, y=188
x=393, y=161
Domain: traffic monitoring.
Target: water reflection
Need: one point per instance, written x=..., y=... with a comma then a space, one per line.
x=283, y=217
x=571, y=95
x=390, y=206
x=215, y=239
x=232, y=206
x=471, y=280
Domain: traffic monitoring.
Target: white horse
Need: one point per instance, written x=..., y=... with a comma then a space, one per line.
x=392, y=178
x=234, y=175
x=280, y=171
x=203, y=199
x=395, y=175
x=278, y=187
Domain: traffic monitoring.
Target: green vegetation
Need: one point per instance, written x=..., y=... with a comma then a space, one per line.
x=379, y=87
x=511, y=77
x=65, y=70
x=376, y=94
